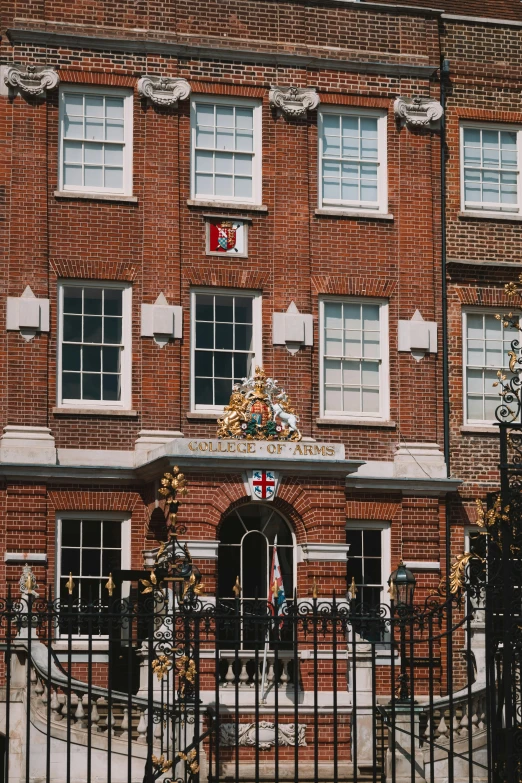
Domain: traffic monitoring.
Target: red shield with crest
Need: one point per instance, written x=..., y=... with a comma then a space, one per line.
x=223, y=237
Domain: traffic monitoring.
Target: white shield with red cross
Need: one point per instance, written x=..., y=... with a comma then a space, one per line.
x=263, y=484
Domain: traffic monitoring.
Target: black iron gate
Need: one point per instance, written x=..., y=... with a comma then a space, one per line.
x=327, y=690
x=154, y=681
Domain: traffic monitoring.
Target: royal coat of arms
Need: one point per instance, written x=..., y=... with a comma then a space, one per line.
x=259, y=410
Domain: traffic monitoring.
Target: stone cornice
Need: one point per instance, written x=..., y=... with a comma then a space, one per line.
x=408, y=486
x=19, y=36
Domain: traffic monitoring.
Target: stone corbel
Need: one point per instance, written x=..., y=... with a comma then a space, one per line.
x=293, y=329
x=32, y=81
x=161, y=321
x=27, y=314
x=293, y=102
x=418, y=112
x=418, y=336
x=163, y=90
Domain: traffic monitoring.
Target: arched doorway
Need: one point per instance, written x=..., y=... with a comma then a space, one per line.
x=246, y=541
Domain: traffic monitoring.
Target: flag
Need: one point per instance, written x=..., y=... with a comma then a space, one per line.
x=276, y=590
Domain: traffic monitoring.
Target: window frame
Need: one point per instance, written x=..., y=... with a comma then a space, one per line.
x=257, y=147
x=126, y=539
x=385, y=528
x=256, y=337
x=465, y=312
x=384, y=367
x=103, y=90
x=126, y=347
x=489, y=207
x=381, y=205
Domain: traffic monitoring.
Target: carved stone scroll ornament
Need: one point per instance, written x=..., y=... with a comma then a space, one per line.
x=293, y=102
x=266, y=734
x=31, y=80
x=419, y=111
x=163, y=90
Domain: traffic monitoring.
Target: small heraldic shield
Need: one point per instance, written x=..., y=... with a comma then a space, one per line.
x=226, y=236
x=263, y=484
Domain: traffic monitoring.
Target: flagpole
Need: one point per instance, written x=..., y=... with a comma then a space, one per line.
x=267, y=635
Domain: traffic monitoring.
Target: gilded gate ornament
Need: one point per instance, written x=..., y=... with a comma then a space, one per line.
x=259, y=410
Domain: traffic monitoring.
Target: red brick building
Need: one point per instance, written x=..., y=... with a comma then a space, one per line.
x=194, y=190
x=114, y=187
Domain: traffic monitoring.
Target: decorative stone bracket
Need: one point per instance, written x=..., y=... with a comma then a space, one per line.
x=31, y=80
x=418, y=112
x=161, y=321
x=418, y=336
x=27, y=314
x=293, y=102
x=163, y=90
x=293, y=329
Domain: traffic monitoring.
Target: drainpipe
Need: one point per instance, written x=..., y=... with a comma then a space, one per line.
x=444, y=73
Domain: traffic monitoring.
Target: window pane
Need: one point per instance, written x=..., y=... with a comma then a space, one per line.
x=204, y=308
x=111, y=561
x=70, y=562
x=91, y=359
x=91, y=387
x=332, y=398
x=72, y=328
x=114, y=178
x=111, y=387
x=354, y=538
x=372, y=543
x=92, y=329
x=71, y=386
x=112, y=330
x=243, y=310
x=91, y=562
x=71, y=357
x=72, y=300
x=333, y=314
x=243, y=337
x=203, y=391
x=71, y=532
x=111, y=359
x=205, y=335
x=222, y=391
x=112, y=534
x=372, y=571
x=225, y=308
x=203, y=363
x=223, y=365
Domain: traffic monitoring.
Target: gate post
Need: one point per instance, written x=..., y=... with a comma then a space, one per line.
x=401, y=717
x=360, y=681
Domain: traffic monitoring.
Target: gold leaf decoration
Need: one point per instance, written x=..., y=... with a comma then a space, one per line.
x=187, y=672
x=161, y=666
x=191, y=759
x=149, y=585
x=162, y=764
x=458, y=571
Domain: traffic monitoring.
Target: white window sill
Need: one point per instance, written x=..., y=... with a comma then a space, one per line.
x=226, y=205
x=353, y=213
x=479, y=213
x=203, y=415
x=345, y=422
x=65, y=411
x=480, y=429
x=73, y=194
